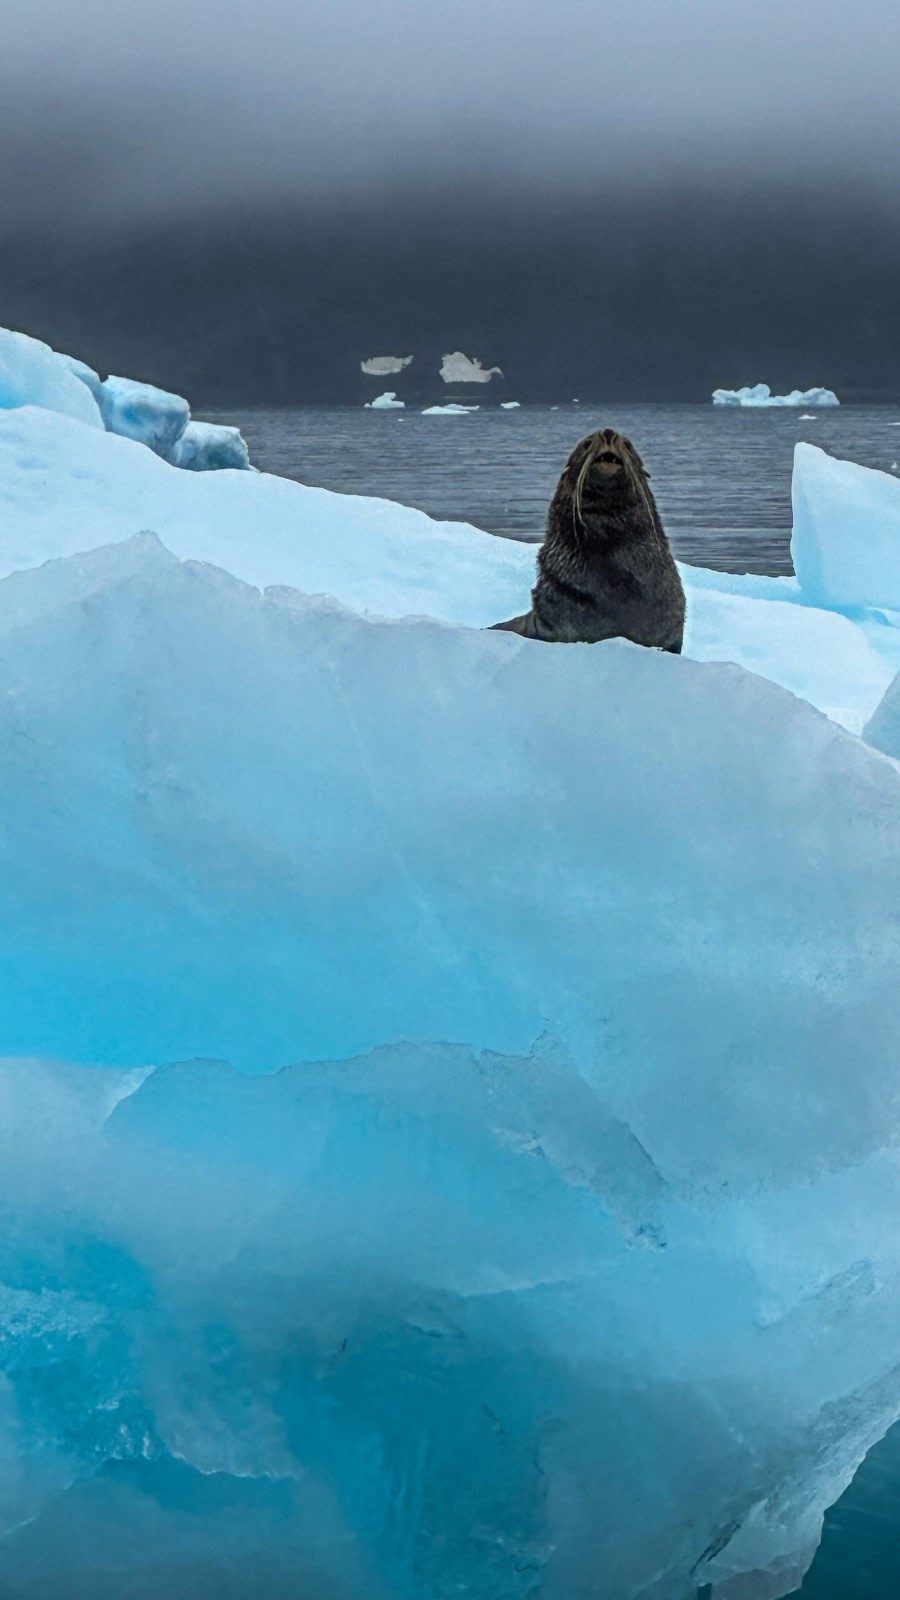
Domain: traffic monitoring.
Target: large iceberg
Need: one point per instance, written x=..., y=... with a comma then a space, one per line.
x=599, y=1295
x=560, y=1257
x=759, y=394
x=31, y=374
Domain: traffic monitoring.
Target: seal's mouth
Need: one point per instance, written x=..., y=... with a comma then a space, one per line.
x=602, y=461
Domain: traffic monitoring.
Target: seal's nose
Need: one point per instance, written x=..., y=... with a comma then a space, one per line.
x=609, y=458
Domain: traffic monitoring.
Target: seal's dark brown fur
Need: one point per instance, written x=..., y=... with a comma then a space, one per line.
x=605, y=569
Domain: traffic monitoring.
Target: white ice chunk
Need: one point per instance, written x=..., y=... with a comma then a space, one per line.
x=458, y=368
x=142, y=412
x=449, y=410
x=486, y=1308
x=210, y=446
x=761, y=395
x=385, y=366
x=31, y=374
x=510, y=405
x=846, y=539
x=385, y=402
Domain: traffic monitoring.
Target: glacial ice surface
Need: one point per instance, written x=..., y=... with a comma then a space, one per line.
x=31, y=374
x=599, y=1294
x=883, y=727
x=845, y=543
x=63, y=490
x=759, y=394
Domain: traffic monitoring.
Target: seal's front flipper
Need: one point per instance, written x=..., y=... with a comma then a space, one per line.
x=523, y=625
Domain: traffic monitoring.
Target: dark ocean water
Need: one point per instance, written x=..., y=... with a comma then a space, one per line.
x=722, y=479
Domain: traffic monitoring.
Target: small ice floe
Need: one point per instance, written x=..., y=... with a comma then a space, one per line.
x=385, y=402
x=384, y=366
x=761, y=395
x=510, y=405
x=808, y=416
x=451, y=410
x=210, y=447
x=457, y=368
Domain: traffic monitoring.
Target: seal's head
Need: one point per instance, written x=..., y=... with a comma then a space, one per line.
x=603, y=466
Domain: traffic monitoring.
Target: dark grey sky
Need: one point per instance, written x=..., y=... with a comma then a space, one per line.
x=149, y=104
x=376, y=171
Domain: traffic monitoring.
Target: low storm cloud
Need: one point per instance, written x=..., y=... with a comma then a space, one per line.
x=647, y=198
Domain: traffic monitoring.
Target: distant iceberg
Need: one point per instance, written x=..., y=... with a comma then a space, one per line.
x=451, y=410
x=385, y=402
x=457, y=368
x=510, y=405
x=384, y=366
x=761, y=395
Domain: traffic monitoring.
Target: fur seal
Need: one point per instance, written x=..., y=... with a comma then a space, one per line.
x=605, y=569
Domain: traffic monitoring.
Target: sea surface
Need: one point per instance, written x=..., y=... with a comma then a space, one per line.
x=721, y=476
x=722, y=479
